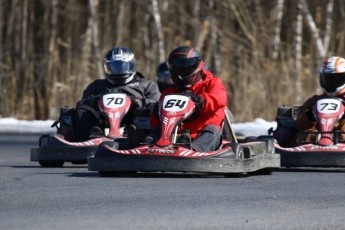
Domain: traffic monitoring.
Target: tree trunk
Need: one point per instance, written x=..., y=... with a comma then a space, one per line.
x=203, y=34
x=216, y=63
x=119, y=23
x=196, y=22
x=95, y=41
x=241, y=22
x=328, y=25
x=160, y=36
x=52, y=63
x=297, y=55
x=22, y=54
x=146, y=41
x=313, y=29
x=277, y=28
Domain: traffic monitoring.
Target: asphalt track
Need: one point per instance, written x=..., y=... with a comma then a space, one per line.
x=32, y=197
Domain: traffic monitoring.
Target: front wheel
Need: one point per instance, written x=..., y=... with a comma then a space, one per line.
x=238, y=150
x=262, y=172
x=117, y=174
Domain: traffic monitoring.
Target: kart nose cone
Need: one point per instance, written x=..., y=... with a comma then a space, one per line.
x=325, y=141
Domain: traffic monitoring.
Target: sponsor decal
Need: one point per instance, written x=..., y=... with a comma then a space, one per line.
x=165, y=151
x=325, y=147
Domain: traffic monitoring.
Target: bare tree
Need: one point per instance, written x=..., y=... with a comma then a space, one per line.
x=313, y=29
x=45, y=47
x=245, y=29
x=22, y=57
x=217, y=61
x=119, y=22
x=328, y=25
x=297, y=55
x=160, y=36
x=277, y=28
x=52, y=62
x=95, y=41
x=203, y=35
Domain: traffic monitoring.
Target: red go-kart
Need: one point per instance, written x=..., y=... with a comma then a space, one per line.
x=55, y=149
x=325, y=147
x=167, y=155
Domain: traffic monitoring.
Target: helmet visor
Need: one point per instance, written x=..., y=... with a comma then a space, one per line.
x=118, y=67
x=331, y=81
x=183, y=67
x=163, y=76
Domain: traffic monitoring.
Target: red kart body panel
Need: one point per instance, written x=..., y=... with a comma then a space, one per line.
x=174, y=151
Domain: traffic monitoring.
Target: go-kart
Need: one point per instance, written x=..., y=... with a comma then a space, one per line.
x=169, y=155
x=324, y=147
x=56, y=149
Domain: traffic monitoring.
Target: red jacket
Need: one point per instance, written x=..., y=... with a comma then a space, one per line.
x=213, y=92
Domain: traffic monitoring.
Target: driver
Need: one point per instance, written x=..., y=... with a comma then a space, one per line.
x=332, y=82
x=190, y=78
x=163, y=76
x=121, y=76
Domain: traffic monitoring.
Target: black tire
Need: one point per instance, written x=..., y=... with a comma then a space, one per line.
x=269, y=143
x=250, y=139
x=44, y=140
x=238, y=150
x=239, y=154
x=106, y=174
x=51, y=164
x=117, y=174
x=262, y=172
x=79, y=162
x=234, y=175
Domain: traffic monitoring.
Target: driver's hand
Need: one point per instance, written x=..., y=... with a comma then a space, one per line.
x=199, y=101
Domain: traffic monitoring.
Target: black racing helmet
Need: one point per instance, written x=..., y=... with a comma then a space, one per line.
x=163, y=73
x=119, y=65
x=185, y=66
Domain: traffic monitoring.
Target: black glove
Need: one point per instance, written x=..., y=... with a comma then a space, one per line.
x=310, y=115
x=155, y=110
x=91, y=101
x=137, y=102
x=199, y=102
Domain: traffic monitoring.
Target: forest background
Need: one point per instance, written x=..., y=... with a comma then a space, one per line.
x=266, y=52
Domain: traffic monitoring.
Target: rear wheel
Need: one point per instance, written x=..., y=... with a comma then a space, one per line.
x=53, y=164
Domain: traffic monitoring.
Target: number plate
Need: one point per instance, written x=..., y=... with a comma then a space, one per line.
x=328, y=106
x=114, y=100
x=175, y=103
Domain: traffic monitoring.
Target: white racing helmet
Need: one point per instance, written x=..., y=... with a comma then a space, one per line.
x=332, y=76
